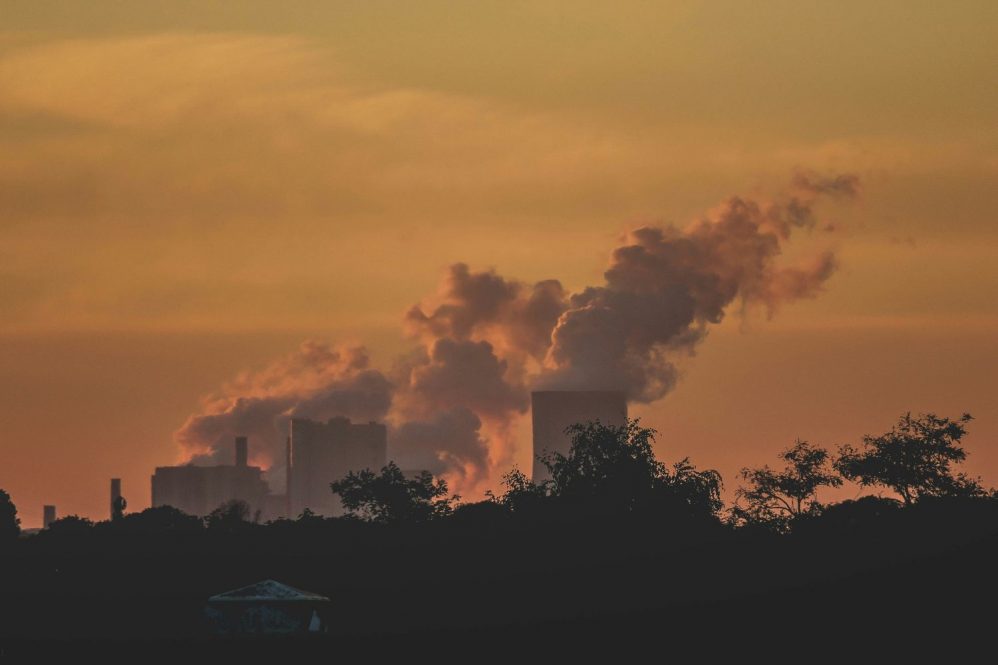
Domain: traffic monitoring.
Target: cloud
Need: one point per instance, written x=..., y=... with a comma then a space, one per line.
x=840, y=185
x=448, y=443
x=665, y=286
x=515, y=316
x=467, y=374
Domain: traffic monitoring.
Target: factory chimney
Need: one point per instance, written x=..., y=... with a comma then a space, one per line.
x=48, y=516
x=117, y=502
x=242, y=451
x=287, y=477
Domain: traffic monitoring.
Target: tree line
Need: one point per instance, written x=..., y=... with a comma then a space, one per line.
x=612, y=470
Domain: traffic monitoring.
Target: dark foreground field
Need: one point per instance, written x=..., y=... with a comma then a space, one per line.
x=917, y=584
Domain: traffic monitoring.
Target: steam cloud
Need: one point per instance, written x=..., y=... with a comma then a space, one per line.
x=317, y=381
x=488, y=340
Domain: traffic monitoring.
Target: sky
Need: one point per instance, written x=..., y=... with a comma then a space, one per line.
x=189, y=190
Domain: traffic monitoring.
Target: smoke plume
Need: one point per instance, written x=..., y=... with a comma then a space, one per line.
x=484, y=341
x=317, y=381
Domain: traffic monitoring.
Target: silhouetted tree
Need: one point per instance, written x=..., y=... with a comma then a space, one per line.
x=389, y=497
x=851, y=513
x=522, y=494
x=481, y=514
x=165, y=519
x=70, y=525
x=308, y=516
x=10, y=523
x=615, y=468
x=231, y=515
x=699, y=490
x=913, y=459
x=118, y=508
x=775, y=498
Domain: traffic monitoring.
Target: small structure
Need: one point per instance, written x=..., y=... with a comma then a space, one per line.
x=266, y=608
x=48, y=516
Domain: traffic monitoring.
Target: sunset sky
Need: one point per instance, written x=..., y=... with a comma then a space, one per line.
x=189, y=190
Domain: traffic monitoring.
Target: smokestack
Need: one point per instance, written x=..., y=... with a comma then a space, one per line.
x=553, y=411
x=115, y=494
x=242, y=451
x=287, y=477
x=48, y=516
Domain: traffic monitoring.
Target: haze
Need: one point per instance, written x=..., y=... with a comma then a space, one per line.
x=187, y=193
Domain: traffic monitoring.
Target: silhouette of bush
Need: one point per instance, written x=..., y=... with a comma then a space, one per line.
x=118, y=506
x=522, y=494
x=71, y=526
x=481, y=514
x=855, y=513
x=230, y=516
x=309, y=518
x=774, y=499
x=698, y=490
x=389, y=497
x=10, y=523
x=913, y=459
x=160, y=519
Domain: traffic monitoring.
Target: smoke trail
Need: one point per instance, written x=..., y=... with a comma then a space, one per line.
x=317, y=381
x=485, y=341
x=665, y=286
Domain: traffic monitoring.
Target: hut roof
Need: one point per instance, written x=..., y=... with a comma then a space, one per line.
x=268, y=590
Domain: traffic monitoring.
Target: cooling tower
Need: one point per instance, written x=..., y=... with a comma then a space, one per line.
x=48, y=513
x=319, y=453
x=555, y=410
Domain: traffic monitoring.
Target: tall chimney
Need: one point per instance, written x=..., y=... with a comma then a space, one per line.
x=115, y=493
x=287, y=477
x=48, y=516
x=242, y=451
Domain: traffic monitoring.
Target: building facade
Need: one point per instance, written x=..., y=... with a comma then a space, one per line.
x=198, y=490
x=320, y=453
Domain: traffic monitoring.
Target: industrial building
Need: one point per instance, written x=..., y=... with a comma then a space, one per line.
x=553, y=411
x=198, y=490
x=320, y=453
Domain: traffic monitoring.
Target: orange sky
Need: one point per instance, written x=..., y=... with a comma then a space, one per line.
x=186, y=193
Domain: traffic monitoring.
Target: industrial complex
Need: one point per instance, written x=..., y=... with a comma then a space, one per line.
x=319, y=453
x=198, y=490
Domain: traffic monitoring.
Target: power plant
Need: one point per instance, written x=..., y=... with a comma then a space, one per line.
x=320, y=453
x=317, y=454
x=198, y=490
x=553, y=411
